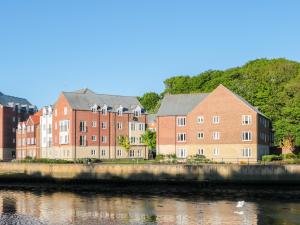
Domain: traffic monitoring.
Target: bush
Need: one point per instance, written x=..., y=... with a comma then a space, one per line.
x=289, y=156
x=197, y=159
x=270, y=158
x=159, y=157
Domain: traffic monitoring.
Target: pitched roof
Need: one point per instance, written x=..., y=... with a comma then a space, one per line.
x=36, y=117
x=180, y=104
x=84, y=99
x=6, y=99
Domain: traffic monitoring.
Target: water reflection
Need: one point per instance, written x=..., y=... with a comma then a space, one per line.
x=22, y=207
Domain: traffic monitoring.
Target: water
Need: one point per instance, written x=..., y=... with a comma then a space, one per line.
x=86, y=208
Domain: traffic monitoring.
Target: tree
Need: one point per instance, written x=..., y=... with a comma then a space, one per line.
x=149, y=101
x=124, y=142
x=149, y=139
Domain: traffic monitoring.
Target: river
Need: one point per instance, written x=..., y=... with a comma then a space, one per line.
x=36, y=206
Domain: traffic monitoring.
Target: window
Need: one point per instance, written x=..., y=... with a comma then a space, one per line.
x=94, y=123
x=246, y=119
x=132, y=140
x=104, y=111
x=139, y=153
x=131, y=153
x=93, y=152
x=94, y=109
x=200, y=151
x=32, y=141
x=119, y=152
x=82, y=140
x=94, y=138
x=141, y=127
x=182, y=153
x=200, y=135
x=103, y=125
x=65, y=111
x=200, y=119
x=64, y=125
x=119, y=126
x=216, y=119
x=120, y=111
x=216, y=135
x=247, y=136
x=14, y=119
x=137, y=113
x=132, y=126
x=82, y=126
x=103, y=152
x=246, y=152
x=181, y=137
x=216, y=151
x=181, y=121
x=103, y=139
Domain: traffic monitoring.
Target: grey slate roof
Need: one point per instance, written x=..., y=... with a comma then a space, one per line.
x=84, y=99
x=6, y=99
x=181, y=104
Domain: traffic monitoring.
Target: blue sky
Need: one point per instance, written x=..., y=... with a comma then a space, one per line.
x=130, y=47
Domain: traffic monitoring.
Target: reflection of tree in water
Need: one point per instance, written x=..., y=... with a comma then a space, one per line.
x=9, y=205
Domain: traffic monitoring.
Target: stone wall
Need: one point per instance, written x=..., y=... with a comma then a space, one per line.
x=154, y=173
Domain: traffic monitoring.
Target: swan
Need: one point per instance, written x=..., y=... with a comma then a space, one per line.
x=240, y=204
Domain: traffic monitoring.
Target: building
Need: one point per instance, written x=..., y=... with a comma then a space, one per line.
x=28, y=137
x=220, y=125
x=89, y=125
x=151, y=125
x=12, y=111
x=46, y=132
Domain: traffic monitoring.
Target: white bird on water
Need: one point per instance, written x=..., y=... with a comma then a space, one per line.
x=240, y=204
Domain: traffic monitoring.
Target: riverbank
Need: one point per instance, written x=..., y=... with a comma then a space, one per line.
x=153, y=173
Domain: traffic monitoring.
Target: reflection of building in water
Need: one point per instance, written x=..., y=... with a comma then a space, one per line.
x=68, y=208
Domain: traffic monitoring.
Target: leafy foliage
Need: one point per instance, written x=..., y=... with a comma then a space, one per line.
x=149, y=139
x=124, y=142
x=272, y=85
x=150, y=101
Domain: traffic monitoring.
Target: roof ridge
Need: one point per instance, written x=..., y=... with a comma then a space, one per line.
x=74, y=92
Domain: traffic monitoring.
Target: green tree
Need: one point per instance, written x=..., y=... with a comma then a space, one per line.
x=124, y=142
x=149, y=139
x=272, y=85
x=149, y=101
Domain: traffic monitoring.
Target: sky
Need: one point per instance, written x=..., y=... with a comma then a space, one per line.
x=130, y=47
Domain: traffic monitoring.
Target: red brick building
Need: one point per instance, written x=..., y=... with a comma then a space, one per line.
x=28, y=137
x=88, y=125
x=220, y=125
x=12, y=111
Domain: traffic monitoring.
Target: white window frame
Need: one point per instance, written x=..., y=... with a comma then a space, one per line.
x=216, y=135
x=94, y=138
x=120, y=126
x=216, y=151
x=94, y=123
x=246, y=152
x=93, y=152
x=181, y=121
x=104, y=125
x=246, y=119
x=247, y=136
x=103, y=139
x=182, y=153
x=131, y=153
x=103, y=152
x=181, y=137
x=200, y=151
x=65, y=110
x=200, y=135
x=200, y=119
x=216, y=119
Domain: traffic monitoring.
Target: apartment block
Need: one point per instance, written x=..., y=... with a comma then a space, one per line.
x=46, y=131
x=28, y=137
x=12, y=111
x=221, y=125
x=88, y=125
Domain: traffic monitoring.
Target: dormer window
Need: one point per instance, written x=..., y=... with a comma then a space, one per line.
x=137, y=112
x=94, y=108
x=104, y=110
x=120, y=111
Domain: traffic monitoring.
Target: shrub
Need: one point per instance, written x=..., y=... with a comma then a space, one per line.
x=289, y=156
x=159, y=157
x=270, y=158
